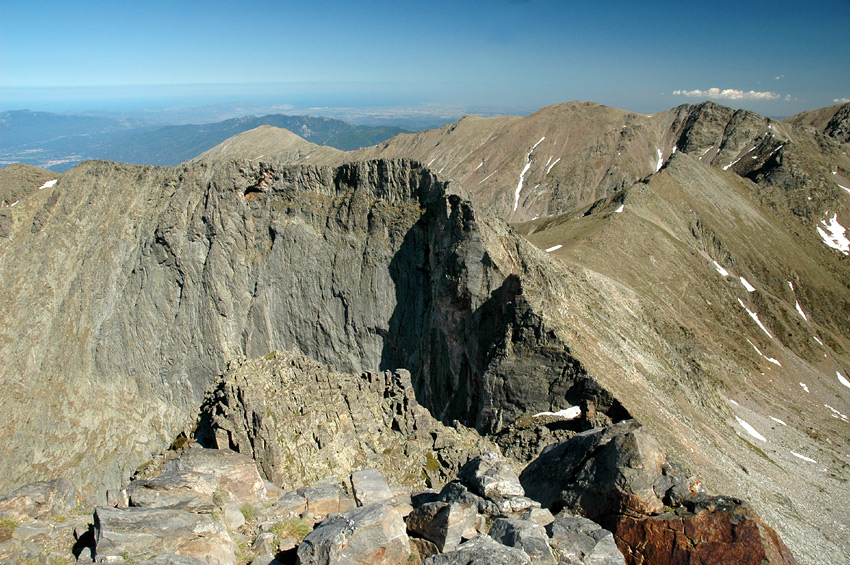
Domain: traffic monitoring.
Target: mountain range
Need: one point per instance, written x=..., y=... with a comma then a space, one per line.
x=688, y=269
x=59, y=142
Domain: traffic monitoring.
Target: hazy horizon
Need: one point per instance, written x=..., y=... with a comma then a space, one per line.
x=507, y=56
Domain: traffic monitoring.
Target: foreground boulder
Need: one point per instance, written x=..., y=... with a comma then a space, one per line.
x=373, y=534
x=619, y=477
x=144, y=533
x=717, y=530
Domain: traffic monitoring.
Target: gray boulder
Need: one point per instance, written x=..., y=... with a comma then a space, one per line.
x=373, y=534
x=236, y=474
x=39, y=500
x=601, y=472
x=325, y=497
x=183, y=490
x=289, y=505
x=370, y=487
x=491, y=477
x=526, y=535
x=442, y=523
x=144, y=533
x=482, y=550
x=580, y=541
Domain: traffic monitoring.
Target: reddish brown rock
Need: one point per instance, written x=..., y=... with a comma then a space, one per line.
x=721, y=533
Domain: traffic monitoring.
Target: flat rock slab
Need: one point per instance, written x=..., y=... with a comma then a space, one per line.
x=368, y=535
x=182, y=490
x=237, y=474
x=326, y=497
x=370, y=487
x=39, y=500
x=482, y=550
x=145, y=533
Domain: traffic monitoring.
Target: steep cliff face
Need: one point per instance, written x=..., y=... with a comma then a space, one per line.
x=364, y=266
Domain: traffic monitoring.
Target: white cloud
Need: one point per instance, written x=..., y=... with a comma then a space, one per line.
x=844, y=100
x=729, y=94
x=779, y=77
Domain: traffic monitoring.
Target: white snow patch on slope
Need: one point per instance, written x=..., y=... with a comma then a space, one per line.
x=660, y=161
x=833, y=235
x=549, y=168
x=570, y=413
x=706, y=151
x=487, y=177
x=774, y=361
x=817, y=340
x=479, y=165
x=778, y=421
x=554, y=248
x=791, y=286
x=48, y=184
x=620, y=209
x=844, y=187
x=751, y=430
x=803, y=457
x=800, y=311
x=747, y=285
x=13, y=203
x=522, y=174
x=755, y=318
x=720, y=269
x=754, y=347
x=804, y=387
x=842, y=380
x=836, y=413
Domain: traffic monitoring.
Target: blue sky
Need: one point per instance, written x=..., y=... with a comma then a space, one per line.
x=776, y=58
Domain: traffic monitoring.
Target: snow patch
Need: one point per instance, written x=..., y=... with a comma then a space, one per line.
x=804, y=387
x=833, y=235
x=755, y=318
x=549, y=168
x=13, y=203
x=800, y=311
x=747, y=285
x=842, y=380
x=844, y=187
x=774, y=361
x=778, y=421
x=487, y=177
x=733, y=402
x=554, y=248
x=751, y=430
x=48, y=184
x=522, y=174
x=479, y=165
x=620, y=209
x=817, y=340
x=720, y=269
x=431, y=161
x=754, y=347
x=706, y=151
x=803, y=457
x=660, y=161
x=836, y=413
x=791, y=286
x=570, y=413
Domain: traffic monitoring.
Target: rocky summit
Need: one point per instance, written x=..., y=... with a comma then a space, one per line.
x=277, y=351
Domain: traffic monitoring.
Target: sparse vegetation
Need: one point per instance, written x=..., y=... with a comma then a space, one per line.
x=249, y=512
x=294, y=529
x=7, y=528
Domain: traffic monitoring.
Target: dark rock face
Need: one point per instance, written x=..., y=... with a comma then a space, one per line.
x=363, y=266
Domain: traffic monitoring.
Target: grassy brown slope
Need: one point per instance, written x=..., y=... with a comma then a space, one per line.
x=692, y=356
